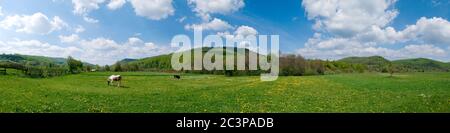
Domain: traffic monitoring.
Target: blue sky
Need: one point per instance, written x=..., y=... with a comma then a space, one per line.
x=104, y=31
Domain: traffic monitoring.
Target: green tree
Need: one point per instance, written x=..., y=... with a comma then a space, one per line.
x=107, y=68
x=391, y=68
x=118, y=67
x=88, y=68
x=74, y=65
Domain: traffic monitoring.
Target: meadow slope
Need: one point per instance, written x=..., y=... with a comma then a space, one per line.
x=159, y=92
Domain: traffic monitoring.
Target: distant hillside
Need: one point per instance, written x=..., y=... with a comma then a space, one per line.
x=422, y=64
x=163, y=62
x=127, y=60
x=32, y=60
x=377, y=63
x=374, y=63
x=35, y=60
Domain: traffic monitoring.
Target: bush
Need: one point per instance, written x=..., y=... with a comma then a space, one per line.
x=75, y=66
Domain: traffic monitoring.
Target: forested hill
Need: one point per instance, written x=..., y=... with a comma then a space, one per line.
x=31, y=60
x=42, y=67
x=374, y=63
x=378, y=63
x=300, y=66
x=422, y=64
x=163, y=62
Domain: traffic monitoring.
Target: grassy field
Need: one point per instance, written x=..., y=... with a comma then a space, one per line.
x=159, y=92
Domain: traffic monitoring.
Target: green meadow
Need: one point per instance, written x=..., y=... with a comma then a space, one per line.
x=160, y=92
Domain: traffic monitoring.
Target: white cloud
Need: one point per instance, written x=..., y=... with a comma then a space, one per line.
x=37, y=23
x=107, y=51
x=385, y=36
x=428, y=30
x=337, y=48
x=181, y=20
x=115, y=4
x=82, y=7
x=137, y=34
x=79, y=29
x=69, y=39
x=215, y=25
x=245, y=31
x=348, y=17
x=89, y=19
x=424, y=50
x=98, y=50
x=35, y=47
x=241, y=32
x=239, y=35
x=206, y=7
x=153, y=9
x=434, y=30
x=1, y=12
x=361, y=28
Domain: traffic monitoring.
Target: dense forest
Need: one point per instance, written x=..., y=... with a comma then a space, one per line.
x=290, y=65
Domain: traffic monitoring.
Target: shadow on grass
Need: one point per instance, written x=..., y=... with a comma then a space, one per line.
x=118, y=87
x=393, y=77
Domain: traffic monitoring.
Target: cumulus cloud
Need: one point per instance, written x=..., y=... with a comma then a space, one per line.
x=35, y=47
x=69, y=39
x=37, y=23
x=433, y=30
x=349, y=17
x=206, y=7
x=115, y=4
x=241, y=32
x=82, y=7
x=153, y=9
x=1, y=13
x=98, y=50
x=239, y=35
x=181, y=20
x=107, y=51
x=215, y=25
x=90, y=20
x=430, y=32
x=409, y=51
x=424, y=50
x=79, y=29
x=361, y=28
x=336, y=48
x=245, y=31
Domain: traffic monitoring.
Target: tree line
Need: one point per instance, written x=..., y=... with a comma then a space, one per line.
x=36, y=69
x=290, y=65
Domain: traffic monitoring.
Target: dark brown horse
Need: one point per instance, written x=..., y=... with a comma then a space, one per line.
x=177, y=76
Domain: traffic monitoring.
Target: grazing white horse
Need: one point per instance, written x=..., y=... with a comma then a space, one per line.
x=113, y=78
